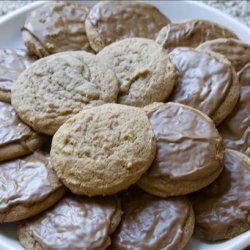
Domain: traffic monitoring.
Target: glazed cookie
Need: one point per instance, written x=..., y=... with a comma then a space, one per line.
x=143, y=70
x=12, y=63
x=206, y=81
x=103, y=150
x=149, y=222
x=56, y=27
x=58, y=86
x=222, y=210
x=74, y=223
x=110, y=21
x=235, y=129
x=189, y=151
x=28, y=187
x=191, y=33
x=16, y=138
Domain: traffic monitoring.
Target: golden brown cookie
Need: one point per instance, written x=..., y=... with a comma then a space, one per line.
x=103, y=150
x=56, y=27
x=235, y=129
x=151, y=223
x=12, y=63
x=143, y=69
x=191, y=33
x=74, y=223
x=189, y=151
x=56, y=87
x=16, y=138
x=28, y=187
x=111, y=21
x=206, y=81
x=222, y=210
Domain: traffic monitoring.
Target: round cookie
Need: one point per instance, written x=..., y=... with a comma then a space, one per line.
x=189, y=151
x=110, y=21
x=191, y=33
x=58, y=86
x=74, y=223
x=143, y=69
x=56, y=27
x=103, y=150
x=235, y=129
x=12, y=63
x=206, y=81
x=149, y=222
x=28, y=187
x=16, y=138
x=222, y=210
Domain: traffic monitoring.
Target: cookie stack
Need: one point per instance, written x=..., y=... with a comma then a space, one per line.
x=125, y=131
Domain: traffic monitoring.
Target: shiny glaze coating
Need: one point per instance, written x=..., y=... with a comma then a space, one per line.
x=222, y=209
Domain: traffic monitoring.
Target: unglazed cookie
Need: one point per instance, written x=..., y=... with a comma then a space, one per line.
x=58, y=86
x=56, y=27
x=28, y=187
x=191, y=33
x=206, y=81
x=222, y=210
x=235, y=129
x=152, y=223
x=103, y=150
x=111, y=21
x=12, y=63
x=16, y=138
x=189, y=151
x=143, y=69
x=74, y=223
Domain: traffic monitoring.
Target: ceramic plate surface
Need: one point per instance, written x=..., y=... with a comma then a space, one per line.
x=10, y=37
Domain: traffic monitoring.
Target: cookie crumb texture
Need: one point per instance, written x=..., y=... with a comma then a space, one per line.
x=143, y=69
x=103, y=150
x=59, y=86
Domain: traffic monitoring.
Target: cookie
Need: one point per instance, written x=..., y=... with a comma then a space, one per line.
x=58, y=86
x=191, y=33
x=12, y=63
x=110, y=21
x=189, y=151
x=28, y=187
x=103, y=150
x=206, y=81
x=149, y=222
x=74, y=223
x=143, y=69
x=16, y=138
x=56, y=27
x=222, y=210
x=235, y=129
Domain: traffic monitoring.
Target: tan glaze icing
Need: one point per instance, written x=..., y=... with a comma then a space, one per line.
x=203, y=81
x=59, y=26
x=12, y=129
x=12, y=63
x=235, y=129
x=25, y=181
x=188, y=145
x=225, y=203
x=75, y=223
x=191, y=33
x=151, y=223
x=119, y=20
x=237, y=52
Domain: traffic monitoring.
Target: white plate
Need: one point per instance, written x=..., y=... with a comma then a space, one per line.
x=10, y=37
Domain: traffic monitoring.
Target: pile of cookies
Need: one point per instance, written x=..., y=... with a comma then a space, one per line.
x=125, y=130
